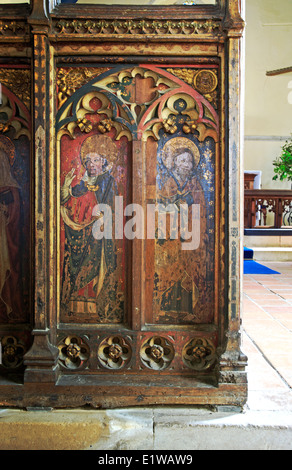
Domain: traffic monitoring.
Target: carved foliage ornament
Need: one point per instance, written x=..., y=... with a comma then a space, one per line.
x=18, y=81
x=86, y=111
x=69, y=79
x=136, y=27
x=13, y=28
x=203, y=80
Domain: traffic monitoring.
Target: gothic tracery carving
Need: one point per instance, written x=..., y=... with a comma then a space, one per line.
x=114, y=352
x=163, y=104
x=199, y=354
x=73, y=352
x=157, y=353
x=13, y=351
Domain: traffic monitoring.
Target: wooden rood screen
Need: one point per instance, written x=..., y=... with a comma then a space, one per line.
x=120, y=206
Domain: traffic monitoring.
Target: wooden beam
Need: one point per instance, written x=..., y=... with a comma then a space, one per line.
x=279, y=71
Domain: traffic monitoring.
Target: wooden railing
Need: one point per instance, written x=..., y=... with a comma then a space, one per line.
x=263, y=202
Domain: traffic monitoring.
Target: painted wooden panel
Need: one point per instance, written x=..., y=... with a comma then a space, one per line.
x=94, y=172
x=138, y=150
x=15, y=218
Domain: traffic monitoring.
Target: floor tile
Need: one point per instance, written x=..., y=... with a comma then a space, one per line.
x=267, y=338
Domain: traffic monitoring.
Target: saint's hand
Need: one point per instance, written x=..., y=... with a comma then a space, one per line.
x=66, y=188
x=69, y=177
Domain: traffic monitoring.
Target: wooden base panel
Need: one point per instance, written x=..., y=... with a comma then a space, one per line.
x=105, y=393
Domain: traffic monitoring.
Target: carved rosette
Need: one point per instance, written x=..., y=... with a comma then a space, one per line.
x=73, y=352
x=204, y=81
x=157, y=353
x=12, y=352
x=114, y=352
x=199, y=354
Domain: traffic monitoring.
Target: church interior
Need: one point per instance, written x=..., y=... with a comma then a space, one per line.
x=145, y=225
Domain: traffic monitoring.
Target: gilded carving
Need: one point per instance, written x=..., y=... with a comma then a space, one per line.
x=169, y=125
x=146, y=101
x=105, y=125
x=187, y=75
x=18, y=81
x=13, y=115
x=84, y=125
x=136, y=27
x=91, y=105
x=69, y=79
x=205, y=81
x=180, y=112
x=4, y=127
x=190, y=127
x=13, y=28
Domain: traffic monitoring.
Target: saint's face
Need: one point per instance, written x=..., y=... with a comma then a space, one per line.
x=93, y=164
x=183, y=163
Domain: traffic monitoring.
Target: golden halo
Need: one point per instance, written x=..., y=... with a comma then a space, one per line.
x=8, y=147
x=101, y=144
x=174, y=146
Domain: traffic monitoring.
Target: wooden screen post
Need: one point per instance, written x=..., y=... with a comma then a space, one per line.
x=233, y=362
x=41, y=359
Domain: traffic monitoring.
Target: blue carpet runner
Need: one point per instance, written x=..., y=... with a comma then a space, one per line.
x=252, y=267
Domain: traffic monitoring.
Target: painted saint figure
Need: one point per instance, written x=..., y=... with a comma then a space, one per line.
x=179, y=283
x=87, y=261
x=10, y=265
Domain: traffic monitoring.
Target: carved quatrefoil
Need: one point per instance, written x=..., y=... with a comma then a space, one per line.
x=114, y=352
x=157, y=353
x=73, y=352
x=12, y=352
x=199, y=354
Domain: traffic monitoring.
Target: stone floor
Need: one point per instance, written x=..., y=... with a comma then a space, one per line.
x=267, y=337
x=264, y=424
